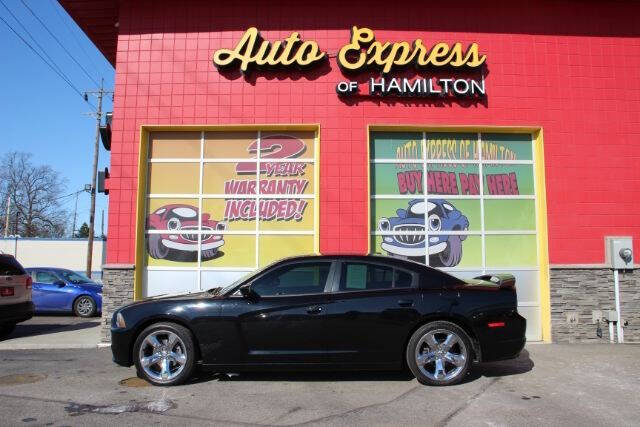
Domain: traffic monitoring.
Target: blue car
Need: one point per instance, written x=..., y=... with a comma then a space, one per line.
x=59, y=289
x=445, y=250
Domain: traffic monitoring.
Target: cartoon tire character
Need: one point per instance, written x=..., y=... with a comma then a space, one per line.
x=444, y=250
x=177, y=244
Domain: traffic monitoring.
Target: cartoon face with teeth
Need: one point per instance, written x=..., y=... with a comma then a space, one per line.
x=444, y=250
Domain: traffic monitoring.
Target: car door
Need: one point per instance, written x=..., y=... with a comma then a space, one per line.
x=284, y=322
x=49, y=291
x=373, y=307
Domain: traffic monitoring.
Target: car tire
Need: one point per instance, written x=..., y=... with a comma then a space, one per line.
x=164, y=354
x=156, y=248
x=6, y=329
x=209, y=253
x=452, y=254
x=84, y=306
x=439, y=354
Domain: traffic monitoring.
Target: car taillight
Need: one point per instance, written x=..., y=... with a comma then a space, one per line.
x=496, y=324
x=29, y=282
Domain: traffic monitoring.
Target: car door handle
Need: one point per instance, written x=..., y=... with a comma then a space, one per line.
x=405, y=303
x=315, y=309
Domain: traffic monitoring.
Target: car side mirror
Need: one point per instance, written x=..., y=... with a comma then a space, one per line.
x=60, y=283
x=248, y=293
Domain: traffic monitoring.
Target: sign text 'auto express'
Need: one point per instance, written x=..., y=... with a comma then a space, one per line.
x=365, y=53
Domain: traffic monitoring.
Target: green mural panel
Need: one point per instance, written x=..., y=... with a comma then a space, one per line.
x=509, y=214
x=396, y=145
x=396, y=178
x=511, y=250
x=506, y=146
x=451, y=146
x=500, y=180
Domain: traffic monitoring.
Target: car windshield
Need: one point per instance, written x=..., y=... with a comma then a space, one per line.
x=223, y=290
x=75, y=278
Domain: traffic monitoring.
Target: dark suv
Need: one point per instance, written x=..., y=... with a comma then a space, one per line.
x=15, y=294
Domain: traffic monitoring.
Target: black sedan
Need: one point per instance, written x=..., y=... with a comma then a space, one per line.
x=326, y=312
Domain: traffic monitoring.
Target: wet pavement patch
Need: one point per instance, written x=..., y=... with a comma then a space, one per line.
x=134, y=382
x=17, y=379
x=153, y=407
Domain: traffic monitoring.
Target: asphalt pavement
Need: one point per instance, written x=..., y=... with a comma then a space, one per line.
x=54, y=331
x=572, y=385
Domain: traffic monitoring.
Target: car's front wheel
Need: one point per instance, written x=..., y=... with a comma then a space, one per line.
x=439, y=353
x=85, y=306
x=164, y=354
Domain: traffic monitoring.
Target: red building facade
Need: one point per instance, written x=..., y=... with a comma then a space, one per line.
x=567, y=73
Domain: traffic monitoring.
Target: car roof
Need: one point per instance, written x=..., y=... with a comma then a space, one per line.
x=48, y=269
x=353, y=257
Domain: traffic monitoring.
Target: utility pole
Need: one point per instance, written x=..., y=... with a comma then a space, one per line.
x=6, y=221
x=92, y=214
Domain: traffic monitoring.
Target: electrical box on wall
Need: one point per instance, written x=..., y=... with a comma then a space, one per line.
x=619, y=252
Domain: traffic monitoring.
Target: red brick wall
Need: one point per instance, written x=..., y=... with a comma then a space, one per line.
x=572, y=68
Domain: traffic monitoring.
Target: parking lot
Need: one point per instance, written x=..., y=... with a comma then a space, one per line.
x=547, y=385
x=54, y=331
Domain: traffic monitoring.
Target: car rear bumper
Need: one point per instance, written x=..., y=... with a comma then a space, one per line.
x=121, y=342
x=503, y=350
x=15, y=313
x=507, y=343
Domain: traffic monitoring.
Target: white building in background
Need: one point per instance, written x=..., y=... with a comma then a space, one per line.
x=61, y=253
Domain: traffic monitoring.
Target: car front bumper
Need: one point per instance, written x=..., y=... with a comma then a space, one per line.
x=121, y=345
x=16, y=313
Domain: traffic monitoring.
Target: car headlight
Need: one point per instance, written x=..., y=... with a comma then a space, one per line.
x=120, y=323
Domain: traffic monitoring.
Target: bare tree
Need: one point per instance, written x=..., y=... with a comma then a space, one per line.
x=35, y=193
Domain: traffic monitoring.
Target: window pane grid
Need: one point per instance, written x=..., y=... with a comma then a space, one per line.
x=486, y=163
x=259, y=197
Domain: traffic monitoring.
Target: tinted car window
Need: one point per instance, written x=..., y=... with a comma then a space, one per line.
x=10, y=267
x=293, y=280
x=73, y=277
x=402, y=279
x=45, y=277
x=361, y=276
x=432, y=278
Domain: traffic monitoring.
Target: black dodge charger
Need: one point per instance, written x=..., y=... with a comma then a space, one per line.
x=326, y=312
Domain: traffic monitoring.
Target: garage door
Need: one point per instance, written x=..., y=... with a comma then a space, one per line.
x=462, y=202
x=220, y=204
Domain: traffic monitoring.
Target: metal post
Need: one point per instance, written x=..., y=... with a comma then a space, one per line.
x=611, y=337
x=75, y=212
x=616, y=283
x=96, y=150
x=6, y=221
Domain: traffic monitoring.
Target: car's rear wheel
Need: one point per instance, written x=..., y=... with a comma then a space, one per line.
x=6, y=329
x=85, y=306
x=439, y=353
x=164, y=354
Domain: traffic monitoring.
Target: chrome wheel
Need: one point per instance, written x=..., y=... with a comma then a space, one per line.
x=162, y=355
x=441, y=355
x=84, y=307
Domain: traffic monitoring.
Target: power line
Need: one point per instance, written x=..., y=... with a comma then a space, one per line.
x=33, y=38
x=74, y=35
x=58, y=41
x=59, y=73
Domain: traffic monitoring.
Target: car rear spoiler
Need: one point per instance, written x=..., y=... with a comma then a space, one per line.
x=505, y=281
